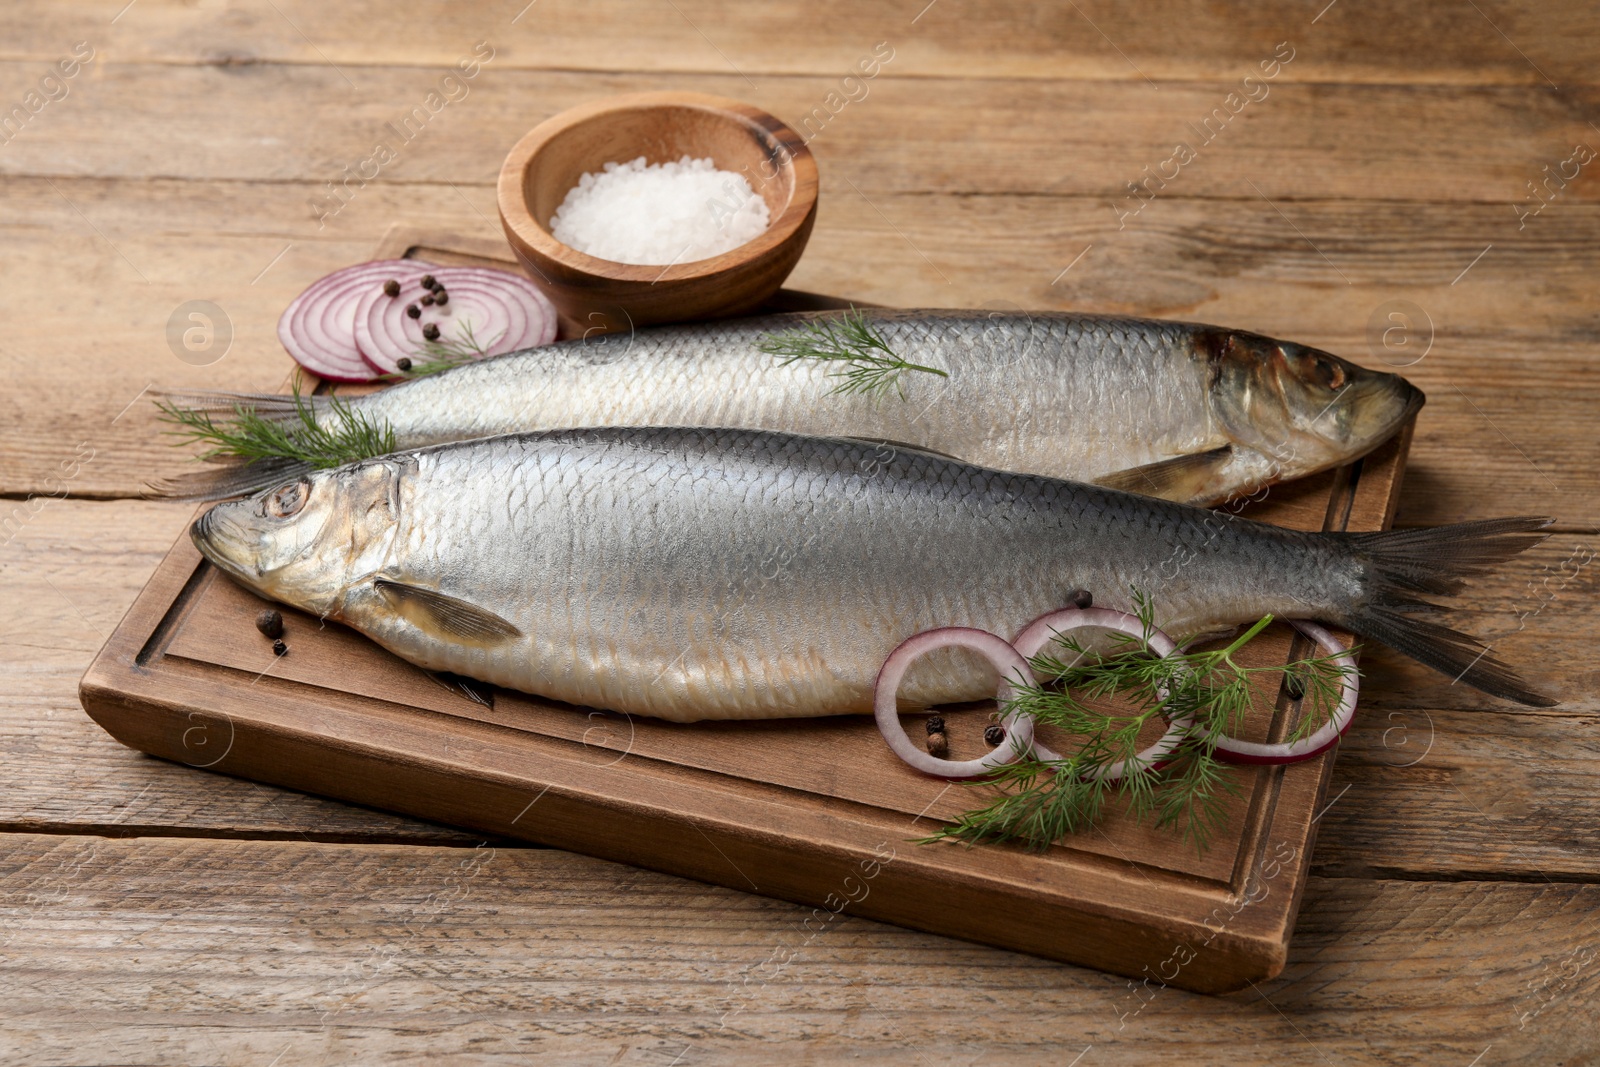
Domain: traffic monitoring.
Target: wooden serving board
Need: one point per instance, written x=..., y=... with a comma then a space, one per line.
x=815, y=811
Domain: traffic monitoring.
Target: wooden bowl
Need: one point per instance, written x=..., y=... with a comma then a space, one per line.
x=595, y=293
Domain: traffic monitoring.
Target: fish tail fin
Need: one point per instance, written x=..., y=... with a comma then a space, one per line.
x=1438, y=561
x=219, y=481
x=274, y=407
x=196, y=414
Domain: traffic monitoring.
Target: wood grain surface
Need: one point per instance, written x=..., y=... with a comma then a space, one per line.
x=1453, y=917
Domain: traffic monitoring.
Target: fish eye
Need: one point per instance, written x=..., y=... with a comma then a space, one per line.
x=286, y=500
x=1329, y=372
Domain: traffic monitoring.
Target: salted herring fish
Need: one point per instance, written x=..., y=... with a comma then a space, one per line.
x=1186, y=412
x=692, y=573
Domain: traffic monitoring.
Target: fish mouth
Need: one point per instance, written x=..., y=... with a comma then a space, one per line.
x=210, y=536
x=1386, y=418
x=1415, y=398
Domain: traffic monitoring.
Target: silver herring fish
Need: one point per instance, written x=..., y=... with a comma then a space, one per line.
x=730, y=574
x=1191, y=413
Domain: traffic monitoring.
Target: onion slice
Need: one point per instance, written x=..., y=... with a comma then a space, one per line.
x=1013, y=672
x=502, y=312
x=1039, y=633
x=1325, y=738
x=317, y=328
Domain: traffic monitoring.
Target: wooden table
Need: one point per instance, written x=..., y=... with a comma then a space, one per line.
x=151, y=913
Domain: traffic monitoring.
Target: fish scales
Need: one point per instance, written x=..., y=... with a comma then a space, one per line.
x=1038, y=393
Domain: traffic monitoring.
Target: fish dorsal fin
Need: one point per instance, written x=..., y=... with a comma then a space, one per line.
x=1181, y=478
x=445, y=616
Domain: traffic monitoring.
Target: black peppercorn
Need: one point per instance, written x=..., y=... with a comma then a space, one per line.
x=402, y=363
x=993, y=734
x=279, y=648
x=1081, y=598
x=427, y=281
x=426, y=301
x=1295, y=686
x=431, y=331
x=936, y=724
x=414, y=311
x=391, y=288
x=441, y=297
x=270, y=623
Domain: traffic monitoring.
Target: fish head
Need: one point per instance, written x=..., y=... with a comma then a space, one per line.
x=307, y=541
x=1302, y=409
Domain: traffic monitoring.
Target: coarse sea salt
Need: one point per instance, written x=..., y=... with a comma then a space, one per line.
x=659, y=213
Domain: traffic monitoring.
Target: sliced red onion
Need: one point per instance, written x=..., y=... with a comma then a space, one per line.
x=411, y=291
x=1294, y=751
x=1013, y=672
x=504, y=313
x=317, y=328
x=1042, y=631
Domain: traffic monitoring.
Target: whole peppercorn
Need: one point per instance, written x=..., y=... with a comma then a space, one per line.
x=414, y=311
x=1081, y=598
x=426, y=301
x=1295, y=686
x=270, y=623
x=391, y=288
x=279, y=648
x=403, y=363
x=431, y=331
x=441, y=297
x=427, y=281
x=993, y=734
x=938, y=740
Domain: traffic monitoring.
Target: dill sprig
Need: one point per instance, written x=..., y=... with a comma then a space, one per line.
x=1038, y=802
x=869, y=365
x=342, y=435
x=435, y=356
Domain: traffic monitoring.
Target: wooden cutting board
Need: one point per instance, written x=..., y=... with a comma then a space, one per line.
x=816, y=811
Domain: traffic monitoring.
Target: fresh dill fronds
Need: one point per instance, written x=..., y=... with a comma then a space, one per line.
x=868, y=365
x=1041, y=801
x=435, y=356
x=342, y=435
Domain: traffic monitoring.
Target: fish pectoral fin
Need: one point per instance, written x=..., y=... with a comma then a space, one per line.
x=1181, y=478
x=444, y=615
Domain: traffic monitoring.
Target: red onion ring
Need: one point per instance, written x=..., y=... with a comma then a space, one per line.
x=411, y=291
x=1013, y=672
x=316, y=329
x=1039, y=633
x=505, y=312
x=1316, y=744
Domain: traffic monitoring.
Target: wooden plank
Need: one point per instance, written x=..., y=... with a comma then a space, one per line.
x=1464, y=794
x=1382, y=971
x=1511, y=359
x=1422, y=43
x=236, y=952
x=70, y=572
x=909, y=135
